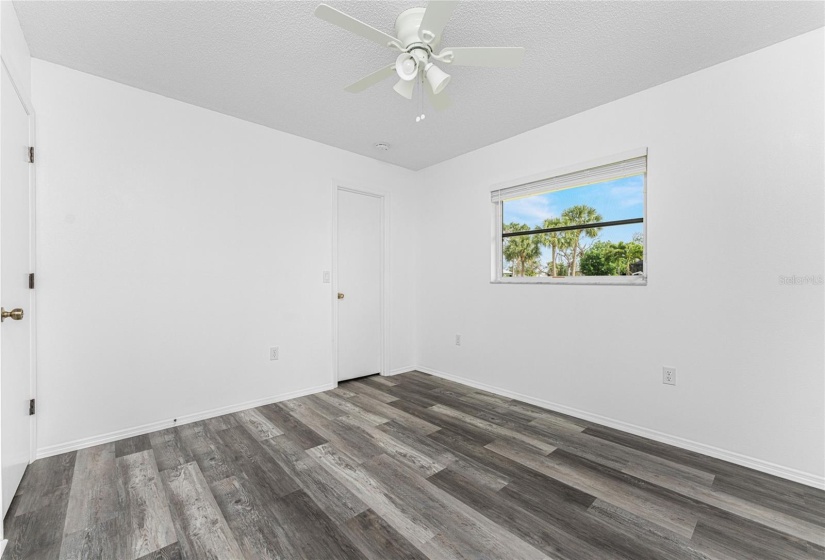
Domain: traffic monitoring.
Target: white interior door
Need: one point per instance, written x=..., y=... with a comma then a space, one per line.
x=15, y=333
x=359, y=284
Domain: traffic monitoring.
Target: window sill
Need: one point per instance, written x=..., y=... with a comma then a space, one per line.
x=579, y=280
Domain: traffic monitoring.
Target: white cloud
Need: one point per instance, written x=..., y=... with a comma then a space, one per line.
x=630, y=195
x=531, y=211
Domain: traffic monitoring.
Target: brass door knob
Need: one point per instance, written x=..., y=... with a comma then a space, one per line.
x=15, y=314
x=340, y=295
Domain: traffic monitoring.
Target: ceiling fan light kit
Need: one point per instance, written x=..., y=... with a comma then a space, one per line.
x=406, y=66
x=418, y=31
x=405, y=88
x=437, y=78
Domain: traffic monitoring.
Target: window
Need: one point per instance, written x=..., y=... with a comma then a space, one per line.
x=578, y=226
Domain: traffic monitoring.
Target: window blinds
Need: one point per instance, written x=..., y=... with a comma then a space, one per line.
x=617, y=170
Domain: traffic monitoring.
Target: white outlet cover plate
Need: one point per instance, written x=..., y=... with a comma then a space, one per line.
x=669, y=375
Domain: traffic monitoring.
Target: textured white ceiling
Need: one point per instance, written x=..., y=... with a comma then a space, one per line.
x=275, y=64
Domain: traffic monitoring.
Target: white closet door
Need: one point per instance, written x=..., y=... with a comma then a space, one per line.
x=359, y=285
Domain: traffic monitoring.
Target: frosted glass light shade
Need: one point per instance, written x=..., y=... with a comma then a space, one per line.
x=405, y=88
x=406, y=66
x=437, y=78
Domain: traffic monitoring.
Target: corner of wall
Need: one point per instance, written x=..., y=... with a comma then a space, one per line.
x=15, y=51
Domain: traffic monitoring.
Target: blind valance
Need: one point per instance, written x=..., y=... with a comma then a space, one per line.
x=617, y=170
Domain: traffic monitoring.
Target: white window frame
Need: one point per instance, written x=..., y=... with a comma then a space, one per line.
x=497, y=276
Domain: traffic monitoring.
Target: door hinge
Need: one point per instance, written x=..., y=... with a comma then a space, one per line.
x=31, y=280
x=31, y=154
x=31, y=407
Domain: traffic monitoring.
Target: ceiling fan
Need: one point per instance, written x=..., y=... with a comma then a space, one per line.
x=418, y=32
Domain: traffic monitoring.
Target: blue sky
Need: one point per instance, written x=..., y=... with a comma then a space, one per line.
x=619, y=199
x=614, y=200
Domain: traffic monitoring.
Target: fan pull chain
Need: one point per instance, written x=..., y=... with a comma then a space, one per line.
x=420, y=84
x=415, y=95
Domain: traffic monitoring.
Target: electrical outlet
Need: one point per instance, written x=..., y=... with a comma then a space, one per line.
x=669, y=375
x=458, y=340
x=274, y=352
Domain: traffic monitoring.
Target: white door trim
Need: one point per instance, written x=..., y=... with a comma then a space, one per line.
x=31, y=312
x=384, y=197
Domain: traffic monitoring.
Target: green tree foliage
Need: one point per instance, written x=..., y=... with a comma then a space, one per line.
x=522, y=252
x=559, y=270
x=579, y=214
x=633, y=252
x=556, y=241
x=598, y=260
x=606, y=258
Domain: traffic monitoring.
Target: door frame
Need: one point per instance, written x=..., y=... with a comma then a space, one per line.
x=384, y=197
x=32, y=311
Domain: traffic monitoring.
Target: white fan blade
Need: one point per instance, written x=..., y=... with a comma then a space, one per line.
x=336, y=17
x=439, y=102
x=371, y=80
x=405, y=88
x=494, y=57
x=436, y=16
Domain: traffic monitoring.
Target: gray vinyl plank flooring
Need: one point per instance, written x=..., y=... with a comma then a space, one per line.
x=99, y=540
x=323, y=407
x=146, y=511
x=409, y=421
x=358, y=387
x=131, y=445
x=333, y=497
x=94, y=492
x=40, y=481
x=38, y=533
x=252, y=461
x=406, y=467
x=385, y=380
x=220, y=423
x=551, y=538
x=170, y=451
x=377, y=540
x=171, y=552
x=257, y=424
x=296, y=430
x=246, y=511
x=201, y=529
x=207, y=450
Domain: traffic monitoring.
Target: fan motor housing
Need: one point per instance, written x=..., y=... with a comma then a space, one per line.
x=407, y=25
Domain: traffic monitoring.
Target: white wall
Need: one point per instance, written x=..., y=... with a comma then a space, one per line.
x=735, y=199
x=176, y=245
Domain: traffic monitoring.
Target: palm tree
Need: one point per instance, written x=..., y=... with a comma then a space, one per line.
x=555, y=240
x=522, y=251
x=579, y=214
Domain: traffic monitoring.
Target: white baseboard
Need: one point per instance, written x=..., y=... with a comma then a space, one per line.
x=404, y=369
x=181, y=420
x=788, y=473
x=3, y=544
